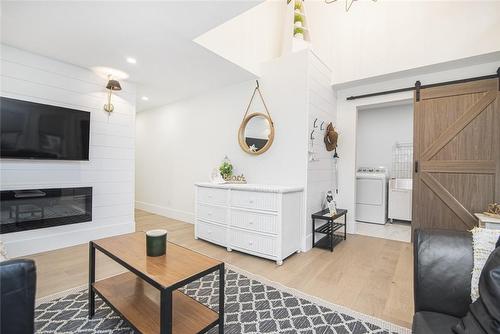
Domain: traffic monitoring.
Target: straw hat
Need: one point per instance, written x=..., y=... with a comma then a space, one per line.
x=331, y=137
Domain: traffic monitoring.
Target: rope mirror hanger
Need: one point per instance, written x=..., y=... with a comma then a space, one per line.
x=253, y=144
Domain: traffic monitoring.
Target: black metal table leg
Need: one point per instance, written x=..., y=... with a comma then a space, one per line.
x=331, y=234
x=314, y=228
x=91, y=293
x=345, y=226
x=221, y=298
x=166, y=311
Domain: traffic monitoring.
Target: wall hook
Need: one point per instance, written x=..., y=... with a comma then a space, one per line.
x=257, y=81
x=312, y=137
x=314, y=124
x=321, y=126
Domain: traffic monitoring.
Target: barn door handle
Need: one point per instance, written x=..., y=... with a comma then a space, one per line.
x=416, y=166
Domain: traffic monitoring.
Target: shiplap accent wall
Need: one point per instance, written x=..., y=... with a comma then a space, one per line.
x=110, y=169
x=321, y=106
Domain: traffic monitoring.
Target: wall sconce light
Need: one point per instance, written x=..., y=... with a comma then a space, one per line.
x=111, y=86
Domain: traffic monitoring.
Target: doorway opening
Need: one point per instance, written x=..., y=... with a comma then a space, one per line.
x=384, y=160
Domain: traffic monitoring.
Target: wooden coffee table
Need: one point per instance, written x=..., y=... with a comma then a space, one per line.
x=147, y=296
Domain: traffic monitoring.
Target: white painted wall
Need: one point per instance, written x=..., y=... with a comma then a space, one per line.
x=377, y=38
x=378, y=130
x=251, y=38
x=347, y=113
x=110, y=171
x=321, y=170
x=179, y=144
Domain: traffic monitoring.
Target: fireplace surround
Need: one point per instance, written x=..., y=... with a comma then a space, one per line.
x=28, y=209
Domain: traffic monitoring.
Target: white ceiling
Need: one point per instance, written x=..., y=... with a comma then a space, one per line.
x=159, y=35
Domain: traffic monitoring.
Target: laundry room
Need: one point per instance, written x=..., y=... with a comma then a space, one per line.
x=384, y=160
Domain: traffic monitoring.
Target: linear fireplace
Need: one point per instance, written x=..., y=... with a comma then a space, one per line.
x=30, y=209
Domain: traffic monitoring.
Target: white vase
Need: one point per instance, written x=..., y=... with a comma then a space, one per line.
x=298, y=24
x=299, y=36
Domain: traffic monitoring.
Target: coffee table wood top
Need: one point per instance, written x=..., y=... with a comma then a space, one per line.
x=169, y=270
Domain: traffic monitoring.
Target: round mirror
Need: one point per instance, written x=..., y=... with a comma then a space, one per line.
x=256, y=133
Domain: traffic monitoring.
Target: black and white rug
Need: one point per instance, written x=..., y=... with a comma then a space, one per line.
x=251, y=307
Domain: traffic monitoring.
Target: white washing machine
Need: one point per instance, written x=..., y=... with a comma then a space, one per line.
x=371, y=195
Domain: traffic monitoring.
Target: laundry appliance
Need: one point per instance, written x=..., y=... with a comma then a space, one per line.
x=371, y=195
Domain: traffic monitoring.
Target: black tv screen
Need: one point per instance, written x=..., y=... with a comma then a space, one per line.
x=39, y=131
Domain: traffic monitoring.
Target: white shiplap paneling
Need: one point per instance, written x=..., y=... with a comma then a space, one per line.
x=110, y=171
x=322, y=106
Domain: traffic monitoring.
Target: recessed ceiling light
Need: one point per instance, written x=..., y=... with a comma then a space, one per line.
x=131, y=60
x=145, y=98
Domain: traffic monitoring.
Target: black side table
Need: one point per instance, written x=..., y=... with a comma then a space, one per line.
x=330, y=240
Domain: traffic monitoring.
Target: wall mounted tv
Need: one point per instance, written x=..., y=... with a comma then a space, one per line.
x=40, y=131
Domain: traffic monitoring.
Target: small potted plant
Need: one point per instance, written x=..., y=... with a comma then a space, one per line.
x=298, y=20
x=226, y=169
x=298, y=32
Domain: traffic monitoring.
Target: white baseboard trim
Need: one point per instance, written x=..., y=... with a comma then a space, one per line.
x=184, y=216
x=38, y=244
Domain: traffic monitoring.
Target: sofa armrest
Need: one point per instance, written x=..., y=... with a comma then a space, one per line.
x=443, y=261
x=17, y=296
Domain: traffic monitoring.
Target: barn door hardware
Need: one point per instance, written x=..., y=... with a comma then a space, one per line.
x=420, y=86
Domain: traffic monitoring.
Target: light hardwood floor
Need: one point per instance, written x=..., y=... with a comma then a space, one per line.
x=370, y=275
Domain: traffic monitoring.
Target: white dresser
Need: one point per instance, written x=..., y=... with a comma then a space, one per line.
x=261, y=220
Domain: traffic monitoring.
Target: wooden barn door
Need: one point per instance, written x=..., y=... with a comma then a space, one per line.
x=456, y=153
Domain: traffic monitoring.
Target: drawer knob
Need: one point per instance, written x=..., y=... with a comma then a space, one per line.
x=250, y=243
x=251, y=201
x=209, y=196
x=251, y=222
x=209, y=213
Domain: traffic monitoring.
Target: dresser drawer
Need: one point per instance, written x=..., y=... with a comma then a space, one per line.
x=252, y=241
x=211, y=232
x=212, y=196
x=261, y=222
x=254, y=200
x=214, y=213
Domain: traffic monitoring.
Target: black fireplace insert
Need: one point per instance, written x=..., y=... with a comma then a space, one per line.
x=29, y=209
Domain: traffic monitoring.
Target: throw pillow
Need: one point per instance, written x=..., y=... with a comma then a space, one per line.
x=483, y=241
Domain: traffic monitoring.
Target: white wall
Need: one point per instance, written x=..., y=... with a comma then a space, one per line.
x=376, y=38
x=378, y=130
x=250, y=38
x=110, y=170
x=321, y=170
x=179, y=144
x=347, y=112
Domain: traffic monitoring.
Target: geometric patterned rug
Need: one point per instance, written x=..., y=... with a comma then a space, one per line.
x=250, y=307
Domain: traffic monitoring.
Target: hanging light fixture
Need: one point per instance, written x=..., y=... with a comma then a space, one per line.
x=348, y=3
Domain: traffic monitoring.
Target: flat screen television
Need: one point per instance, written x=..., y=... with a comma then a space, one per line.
x=40, y=131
